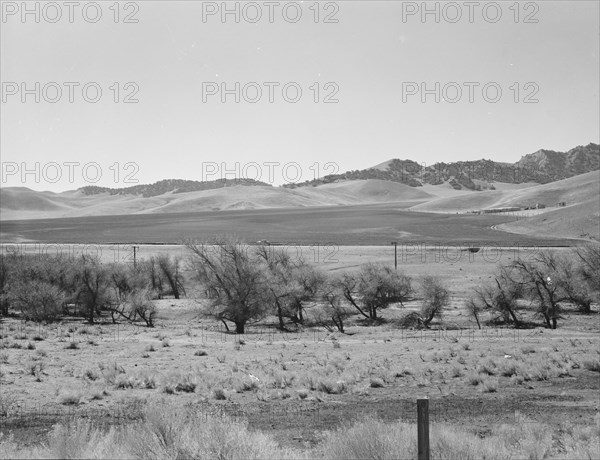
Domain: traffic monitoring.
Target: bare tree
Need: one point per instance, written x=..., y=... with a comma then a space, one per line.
x=474, y=309
x=435, y=298
x=154, y=274
x=333, y=309
x=280, y=282
x=130, y=289
x=170, y=269
x=237, y=280
x=93, y=283
x=375, y=286
x=540, y=282
x=290, y=283
x=499, y=297
x=570, y=278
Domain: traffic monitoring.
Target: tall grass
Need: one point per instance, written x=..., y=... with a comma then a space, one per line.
x=167, y=432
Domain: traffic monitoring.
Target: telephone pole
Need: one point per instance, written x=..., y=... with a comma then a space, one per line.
x=135, y=248
x=395, y=243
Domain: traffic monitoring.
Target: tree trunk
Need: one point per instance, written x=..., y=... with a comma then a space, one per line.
x=514, y=318
x=429, y=319
x=226, y=326
x=373, y=312
x=547, y=319
x=239, y=327
x=477, y=319
x=280, y=316
x=339, y=323
x=91, y=317
x=554, y=323
x=586, y=307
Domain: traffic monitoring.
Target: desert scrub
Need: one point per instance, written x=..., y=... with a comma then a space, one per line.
x=592, y=365
x=332, y=387
x=489, y=385
x=111, y=372
x=70, y=398
x=488, y=367
x=91, y=374
x=473, y=378
x=376, y=382
x=178, y=382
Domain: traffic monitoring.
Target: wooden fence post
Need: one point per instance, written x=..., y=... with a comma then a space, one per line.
x=423, y=428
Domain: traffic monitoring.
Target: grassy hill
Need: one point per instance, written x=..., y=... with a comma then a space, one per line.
x=575, y=190
x=20, y=203
x=578, y=221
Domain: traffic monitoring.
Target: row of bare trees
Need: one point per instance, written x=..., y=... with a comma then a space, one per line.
x=545, y=282
x=46, y=288
x=249, y=283
x=244, y=284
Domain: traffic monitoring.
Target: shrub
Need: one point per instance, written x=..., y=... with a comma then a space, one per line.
x=37, y=300
x=376, y=382
x=90, y=374
x=70, y=398
x=219, y=394
x=592, y=365
x=474, y=378
x=489, y=385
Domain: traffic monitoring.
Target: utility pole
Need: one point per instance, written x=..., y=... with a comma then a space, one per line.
x=135, y=248
x=395, y=243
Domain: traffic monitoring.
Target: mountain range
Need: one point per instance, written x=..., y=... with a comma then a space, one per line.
x=541, y=167
x=545, y=177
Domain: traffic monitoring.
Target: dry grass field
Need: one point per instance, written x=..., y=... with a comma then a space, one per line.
x=494, y=392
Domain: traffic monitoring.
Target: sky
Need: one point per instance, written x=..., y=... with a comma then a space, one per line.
x=364, y=82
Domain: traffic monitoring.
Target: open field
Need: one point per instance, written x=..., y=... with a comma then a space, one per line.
x=296, y=386
x=343, y=225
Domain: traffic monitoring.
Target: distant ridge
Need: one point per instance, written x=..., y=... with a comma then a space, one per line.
x=169, y=186
x=571, y=203
x=541, y=167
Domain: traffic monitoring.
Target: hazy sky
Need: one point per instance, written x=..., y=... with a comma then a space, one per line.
x=374, y=58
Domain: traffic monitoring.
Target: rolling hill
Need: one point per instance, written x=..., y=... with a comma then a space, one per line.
x=460, y=187
x=575, y=190
x=22, y=203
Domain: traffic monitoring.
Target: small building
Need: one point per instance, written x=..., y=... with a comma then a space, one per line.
x=540, y=206
x=562, y=204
